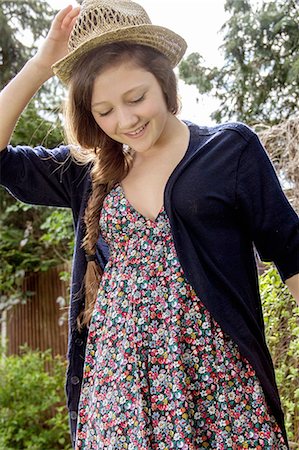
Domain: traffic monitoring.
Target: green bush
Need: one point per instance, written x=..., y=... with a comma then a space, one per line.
x=32, y=411
x=282, y=330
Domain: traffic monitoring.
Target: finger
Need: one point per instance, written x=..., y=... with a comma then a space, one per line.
x=74, y=21
x=75, y=11
x=65, y=15
x=69, y=20
x=62, y=13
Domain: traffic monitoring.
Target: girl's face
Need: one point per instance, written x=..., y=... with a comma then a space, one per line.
x=129, y=106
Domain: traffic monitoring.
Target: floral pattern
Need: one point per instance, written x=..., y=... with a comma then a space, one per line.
x=159, y=371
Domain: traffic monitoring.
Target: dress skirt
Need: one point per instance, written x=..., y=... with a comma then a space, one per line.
x=159, y=371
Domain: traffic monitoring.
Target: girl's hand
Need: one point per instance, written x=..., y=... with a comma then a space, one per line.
x=54, y=46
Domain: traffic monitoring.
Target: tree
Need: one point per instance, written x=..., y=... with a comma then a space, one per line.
x=34, y=16
x=259, y=81
x=31, y=238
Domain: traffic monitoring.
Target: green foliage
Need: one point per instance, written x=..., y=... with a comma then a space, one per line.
x=57, y=227
x=281, y=317
x=193, y=71
x=34, y=16
x=259, y=81
x=32, y=413
x=37, y=127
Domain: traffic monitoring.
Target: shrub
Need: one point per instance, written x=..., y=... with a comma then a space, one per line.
x=32, y=413
x=281, y=317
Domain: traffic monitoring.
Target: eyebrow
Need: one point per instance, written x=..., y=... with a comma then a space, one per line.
x=126, y=93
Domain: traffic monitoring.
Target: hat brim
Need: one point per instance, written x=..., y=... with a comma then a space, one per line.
x=166, y=41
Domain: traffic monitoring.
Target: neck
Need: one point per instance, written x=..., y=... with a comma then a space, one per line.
x=175, y=136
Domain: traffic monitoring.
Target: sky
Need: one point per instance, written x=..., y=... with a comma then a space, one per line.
x=198, y=22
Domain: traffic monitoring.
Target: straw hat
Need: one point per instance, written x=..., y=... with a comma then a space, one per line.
x=106, y=21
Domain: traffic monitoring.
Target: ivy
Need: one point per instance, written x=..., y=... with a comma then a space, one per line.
x=281, y=316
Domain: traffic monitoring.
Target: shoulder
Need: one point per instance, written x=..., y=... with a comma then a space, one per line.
x=228, y=138
x=33, y=165
x=238, y=128
x=59, y=154
x=63, y=156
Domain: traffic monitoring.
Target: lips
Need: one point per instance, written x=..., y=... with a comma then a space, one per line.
x=137, y=132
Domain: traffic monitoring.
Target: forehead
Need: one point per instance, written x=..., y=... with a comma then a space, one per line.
x=120, y=79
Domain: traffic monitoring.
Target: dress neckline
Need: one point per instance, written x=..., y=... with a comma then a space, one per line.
x=180, y=163
x=147, y=219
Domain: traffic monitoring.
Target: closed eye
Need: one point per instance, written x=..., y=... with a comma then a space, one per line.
x=103, y=114
x=139, y=99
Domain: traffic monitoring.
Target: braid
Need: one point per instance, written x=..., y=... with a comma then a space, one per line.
x=109, y=167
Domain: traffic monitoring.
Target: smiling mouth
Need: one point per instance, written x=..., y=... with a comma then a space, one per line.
x=138, y=131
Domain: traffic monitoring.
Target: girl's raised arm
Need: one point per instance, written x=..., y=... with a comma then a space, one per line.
x=17, y=94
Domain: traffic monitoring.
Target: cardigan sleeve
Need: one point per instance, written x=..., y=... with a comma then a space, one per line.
x=40, y=176
x=265, y=211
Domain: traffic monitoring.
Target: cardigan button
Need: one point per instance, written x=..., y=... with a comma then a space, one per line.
x=74, y=438
x=75, y=380
x=73, y=415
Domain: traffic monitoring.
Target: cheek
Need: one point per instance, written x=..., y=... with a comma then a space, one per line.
x=159, y=109
x=104, y=123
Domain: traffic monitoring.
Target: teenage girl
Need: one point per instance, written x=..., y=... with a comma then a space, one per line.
x=166, y=346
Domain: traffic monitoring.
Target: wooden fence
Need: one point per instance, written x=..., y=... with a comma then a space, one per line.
x=41, y=323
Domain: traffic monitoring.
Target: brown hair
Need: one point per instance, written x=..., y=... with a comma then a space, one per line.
x=110, y=162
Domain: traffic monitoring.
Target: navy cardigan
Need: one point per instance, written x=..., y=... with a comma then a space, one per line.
x=223, y=200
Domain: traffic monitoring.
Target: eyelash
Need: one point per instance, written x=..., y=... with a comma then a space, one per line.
x=103, y=114
x=138, y=99
x=132, y=102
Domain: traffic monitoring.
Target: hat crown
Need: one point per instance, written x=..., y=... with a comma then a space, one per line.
x=100, y=16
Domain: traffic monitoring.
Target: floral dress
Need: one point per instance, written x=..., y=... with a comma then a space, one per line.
x=159, y=371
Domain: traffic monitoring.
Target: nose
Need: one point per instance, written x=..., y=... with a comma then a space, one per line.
x=126, y=118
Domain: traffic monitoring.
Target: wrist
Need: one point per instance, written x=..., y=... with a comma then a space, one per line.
x=41, y=70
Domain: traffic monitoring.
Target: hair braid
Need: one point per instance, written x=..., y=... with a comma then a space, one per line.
x=105, y=173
